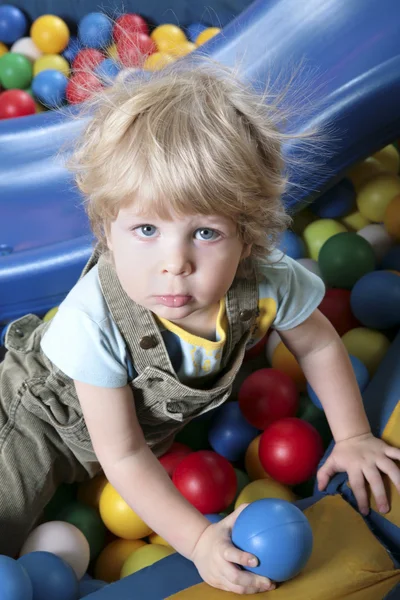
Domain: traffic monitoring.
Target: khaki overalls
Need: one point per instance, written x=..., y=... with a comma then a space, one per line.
x=43, y=436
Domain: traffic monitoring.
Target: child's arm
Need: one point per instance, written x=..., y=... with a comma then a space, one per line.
x=327, y=367
x=138, y=476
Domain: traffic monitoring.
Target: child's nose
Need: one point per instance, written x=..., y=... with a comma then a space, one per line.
x=178, y=262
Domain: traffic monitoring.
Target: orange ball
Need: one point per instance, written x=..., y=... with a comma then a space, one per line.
x=392, y=218
x=252, y=464
x=89, y=492
x=109, y=563
x=284, y=360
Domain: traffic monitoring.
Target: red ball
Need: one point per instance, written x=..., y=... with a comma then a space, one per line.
x=134, y=49
x=16, y=103
x=207, y=480
x=266, y=396
x=171, y=459
x=81, y=86
x=87, y=59
x=336, y=307
x=129, y=24
x=290, y=450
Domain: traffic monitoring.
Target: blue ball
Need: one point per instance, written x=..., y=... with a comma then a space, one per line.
x=49, y=87
x=375, y=300
x=14, y=580
x=13, y=24
x=214, y=517
x=90, y=586
x=194, y=30
x=70, y=52
x=391, y=260
x=230, y=434
x=51, y=576
x=278, y=534
x=292, y=245
x=107, y=70
x=337, y=202
x=360, y=372
x=95, y=30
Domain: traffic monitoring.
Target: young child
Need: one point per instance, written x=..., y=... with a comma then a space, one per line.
x=182, y=176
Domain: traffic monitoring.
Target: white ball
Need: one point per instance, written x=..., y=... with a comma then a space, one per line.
x=26, y=46
x=64, y=540
x=378, y=237
x=311, y=265
x=270, y=347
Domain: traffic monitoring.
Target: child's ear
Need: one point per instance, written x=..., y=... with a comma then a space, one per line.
x=246, y=251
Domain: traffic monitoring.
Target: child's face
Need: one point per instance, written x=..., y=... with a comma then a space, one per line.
x=178, y=268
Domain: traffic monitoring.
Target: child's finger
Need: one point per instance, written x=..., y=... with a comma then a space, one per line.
x=245, y=559
x=357, y=483
x=375, y=480
x=393, y=453
x=242, y=582
x=324, y=474
x=386, y=465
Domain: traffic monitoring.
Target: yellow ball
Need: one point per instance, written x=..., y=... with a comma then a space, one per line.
x=50, y=314
x=154, y=538
x=355, y=221
x=50, y=34
x=112, y=52
x=112, y=557
x=144, y=557
x=264, y=488
x=392, y=218
x=183, y=49
x=389, y=158
x=119, y=518
x=375, y=195
x=252, y=464
x=89, y=492
x=362, y=172
x=206, y=35
x=51, y=61
x=317, y=233
x=3, y=49
x=168, y=36
x=368, y=345
x=285, y=361
x=39, y=107
x=157, y=61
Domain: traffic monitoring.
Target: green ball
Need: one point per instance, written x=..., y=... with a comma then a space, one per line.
x=15, y=71
x=63, y=496
x=344, y=259
x=89, y=522
x=242, y=480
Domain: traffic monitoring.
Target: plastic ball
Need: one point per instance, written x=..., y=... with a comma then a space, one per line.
x=50, y=34
x=194, y=29
x=89, y=492
x=379, y=239
x=107, y=70
x=292, y=245
x=266, y=396
x=264, y=488
x=207, y=480
x=15, y=71
x=182, y=49
x=207, y=35
x=50, y=575
x=16, y=103
x=3, y=49
x=13, y=23
x=50, y=88
x=311, y=265
x=283, y=360
x=355, y=221
x=242, y=480
x=81, y=87
x=87, y=520
x=157, y=61
x=317, y=233
x=109, y=563
x=252, y=464
x=344, y=259
x=51, y=61
x=133, y=50
x=278, y=534
x=62, y=497
x=95, y=30
x=375, y=195
x=392, y=218
x=375, y=300
x=73, y=48
x=144, y=557
x=27, y=48
x=290, y=450
x=214, y=518
x=391, y=260
x=167, y=36
x=129, y=24
x=367, y=345
x=337, y=202
x=15, y=581
x=87, y=59
x=119, y=518
x=364, y=171
x=389, y=158
x=337, y=309
x=230, y=433
x=171, y=459
x=90, y=586
x=154, y=538
x=64, y=540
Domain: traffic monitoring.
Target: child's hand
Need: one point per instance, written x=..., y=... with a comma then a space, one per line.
x=363, y=457
x=215, y=556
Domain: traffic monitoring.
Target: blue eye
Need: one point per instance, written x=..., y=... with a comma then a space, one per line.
x=206, y=234
x=146, y=230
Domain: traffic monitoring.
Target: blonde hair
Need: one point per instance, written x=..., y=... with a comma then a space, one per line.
x=188, y=139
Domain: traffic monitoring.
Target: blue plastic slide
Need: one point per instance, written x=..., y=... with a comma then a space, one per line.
x=349, y=79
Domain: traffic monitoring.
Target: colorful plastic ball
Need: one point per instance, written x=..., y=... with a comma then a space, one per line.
x=129, y=24
x=167, y=36
x=15, y=71
x=264, y=488
x=375, y=195
x=214, y=518
x=375, y=300
x=50, y=87
x=95, y=30
x=364, y=171
x=144, y=557
x=64, y=540
x=134, y=50
x=13, y=23
x=14, y=580
x=292, y=245
x=361, y=375
x=278, y=534
x=3, y=49
x=89, y=492
x=87, y=59
x=157, y=61
x=182, y=49
x=392, y=218
x=27, y=48
x=87, y=520
x=337, y=202
x=107, y=70
x=317, y=233
x=16, y=103
x=391, y=260
x=230, y=433
x=283, y=360
x=50, y=575
x=252, y=464
x=242, y=480
x=311, y=265
x=194, y=29
x=207, y=35
x=154, y=538
x=290, y=450
x=73, y=48
x=355, y=221
x=344, y=259
x=207, y=480
x=266, y=396
x=337, y=309
x=109, y=563
x=50, y=34
x=367, y=345
x=389, y=158
x=378, y=237
x=51, y=61
x=81, y=87
x=90, y=586
x=171, y=459
x=119, y=518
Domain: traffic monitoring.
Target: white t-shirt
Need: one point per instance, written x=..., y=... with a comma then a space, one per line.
x=85, y=343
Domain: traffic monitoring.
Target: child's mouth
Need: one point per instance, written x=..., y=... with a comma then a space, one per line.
x=174, y=301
